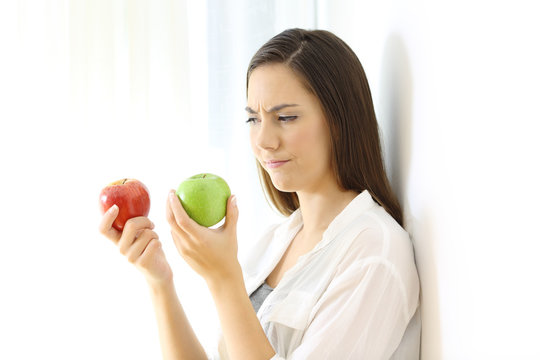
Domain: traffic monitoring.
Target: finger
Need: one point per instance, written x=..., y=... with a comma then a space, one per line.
x=169, y=215
x=131, y=231
x=181, y=218
x=231, y=218
x=172, y=220
x=181, y=239
x=182, y=245
x=140, y=243
x=105, y=227
x=146, y=258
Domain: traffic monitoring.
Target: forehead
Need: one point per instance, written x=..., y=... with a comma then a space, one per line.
x=275, y=83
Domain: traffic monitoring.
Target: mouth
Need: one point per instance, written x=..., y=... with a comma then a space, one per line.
x=272, y=164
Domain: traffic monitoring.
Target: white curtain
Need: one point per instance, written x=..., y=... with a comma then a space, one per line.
x=94, y=91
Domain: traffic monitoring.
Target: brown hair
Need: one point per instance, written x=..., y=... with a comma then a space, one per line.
x=333, y=73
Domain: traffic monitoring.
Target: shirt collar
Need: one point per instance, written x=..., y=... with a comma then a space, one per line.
x=283, y=235
x=359, y=205
x=291, y=225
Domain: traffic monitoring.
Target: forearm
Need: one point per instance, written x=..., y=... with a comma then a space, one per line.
x=177, y=338
x=243, y=333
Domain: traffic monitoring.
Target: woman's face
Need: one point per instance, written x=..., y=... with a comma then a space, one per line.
x=288, y=132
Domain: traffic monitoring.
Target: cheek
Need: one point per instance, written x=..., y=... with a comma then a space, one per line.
x=300, y=139
x=310, y=141
x=254, y=147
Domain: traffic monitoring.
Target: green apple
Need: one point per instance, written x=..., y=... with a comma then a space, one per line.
x=204, y=197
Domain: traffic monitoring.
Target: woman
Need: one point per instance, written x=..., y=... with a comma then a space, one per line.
x=336, y=279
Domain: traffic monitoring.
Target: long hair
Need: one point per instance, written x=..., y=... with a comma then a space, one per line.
x=332, y=72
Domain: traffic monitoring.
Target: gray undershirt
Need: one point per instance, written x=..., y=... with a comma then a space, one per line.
x=258, y=296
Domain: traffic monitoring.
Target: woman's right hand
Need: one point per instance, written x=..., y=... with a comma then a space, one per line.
x=139, y=244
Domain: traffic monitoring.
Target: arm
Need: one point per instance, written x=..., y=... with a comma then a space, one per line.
x=242, y=331
x=177, y=339
x=212, y=253
x=141, y=246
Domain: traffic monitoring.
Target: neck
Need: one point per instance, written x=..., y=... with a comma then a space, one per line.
x=320, y=208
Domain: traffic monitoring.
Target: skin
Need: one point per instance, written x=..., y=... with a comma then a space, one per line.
x=300, y=135
x=297, y=134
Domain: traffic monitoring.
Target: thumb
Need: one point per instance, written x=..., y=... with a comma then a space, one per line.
x=232, y=212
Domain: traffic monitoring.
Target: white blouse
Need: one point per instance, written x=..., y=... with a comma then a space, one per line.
x=354, y=296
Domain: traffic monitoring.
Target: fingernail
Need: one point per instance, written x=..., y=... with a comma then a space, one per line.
x=113, y=208
x=233, y=201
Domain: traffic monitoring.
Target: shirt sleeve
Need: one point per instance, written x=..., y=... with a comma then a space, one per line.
x=362, y=315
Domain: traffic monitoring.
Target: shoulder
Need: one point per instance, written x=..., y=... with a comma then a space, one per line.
x=382, y=245
x=378, y=233
x=383, y=236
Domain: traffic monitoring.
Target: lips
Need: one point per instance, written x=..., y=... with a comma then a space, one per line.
x=272, y=164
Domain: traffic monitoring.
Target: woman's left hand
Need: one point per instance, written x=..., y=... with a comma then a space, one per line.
x=212, y=253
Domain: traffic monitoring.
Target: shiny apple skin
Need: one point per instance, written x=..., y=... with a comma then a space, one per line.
x=130, y=195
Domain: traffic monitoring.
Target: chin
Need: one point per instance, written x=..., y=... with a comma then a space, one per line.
x=284, y=189
x=283, y=186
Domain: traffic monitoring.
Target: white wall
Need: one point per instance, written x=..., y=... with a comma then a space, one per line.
x=456, y=88
x=92, y=91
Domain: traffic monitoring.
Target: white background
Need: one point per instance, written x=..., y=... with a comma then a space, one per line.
x=93, y=91
x=456, y=88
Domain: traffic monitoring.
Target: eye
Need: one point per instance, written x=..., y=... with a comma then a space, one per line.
x=251, y=120
x=287, y=118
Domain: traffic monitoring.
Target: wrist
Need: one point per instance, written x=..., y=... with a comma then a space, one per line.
x=157, y=286
x=225, y=281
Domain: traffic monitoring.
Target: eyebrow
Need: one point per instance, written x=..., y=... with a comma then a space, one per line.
x=275, y=108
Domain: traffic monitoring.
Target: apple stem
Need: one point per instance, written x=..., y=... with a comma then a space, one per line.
x=204, y=176
x=124, y=181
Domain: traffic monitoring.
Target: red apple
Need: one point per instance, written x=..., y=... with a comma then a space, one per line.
x=131, y=197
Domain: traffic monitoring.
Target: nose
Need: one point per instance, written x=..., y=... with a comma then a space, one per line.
x=266, y=135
